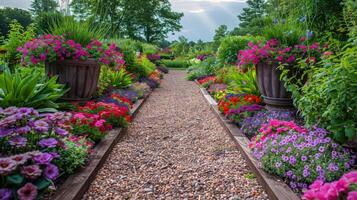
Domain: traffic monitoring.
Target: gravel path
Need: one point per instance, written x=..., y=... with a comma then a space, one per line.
x=175, y=149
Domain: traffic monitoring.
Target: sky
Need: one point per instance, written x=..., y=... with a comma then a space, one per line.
x=201, y=17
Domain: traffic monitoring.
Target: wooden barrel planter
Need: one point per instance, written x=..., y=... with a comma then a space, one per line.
x=272, y=88
x=80, y=76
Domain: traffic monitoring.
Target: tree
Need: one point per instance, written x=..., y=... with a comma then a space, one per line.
x=40, y=6
x=221, y=32
x=147, y=20
x=7, y=15
x=255, y=9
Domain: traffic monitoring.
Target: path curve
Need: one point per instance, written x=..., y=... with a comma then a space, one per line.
x=175, y=149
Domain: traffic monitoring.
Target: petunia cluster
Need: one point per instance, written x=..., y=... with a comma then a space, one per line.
x=244, y=111
x=344, y=188
x=206, y=79
x=300, y=155
x=51, y=48
x=24, y=129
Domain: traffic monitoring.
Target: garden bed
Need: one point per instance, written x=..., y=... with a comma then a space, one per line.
x=275, y=187
x=77, y=184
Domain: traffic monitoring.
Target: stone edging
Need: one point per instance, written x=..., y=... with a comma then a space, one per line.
x=273, y=186
x=76, y=185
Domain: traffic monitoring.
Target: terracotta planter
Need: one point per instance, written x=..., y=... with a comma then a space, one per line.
x=272, y=88
x=80, y=76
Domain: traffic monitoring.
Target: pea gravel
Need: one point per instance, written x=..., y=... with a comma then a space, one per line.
x=175, y=149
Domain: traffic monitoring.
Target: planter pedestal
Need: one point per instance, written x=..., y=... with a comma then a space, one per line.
x=80, y=76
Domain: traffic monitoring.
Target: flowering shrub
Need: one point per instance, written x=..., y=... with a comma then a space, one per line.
x=142, y=89
x=237, y=115
x=116, y=116
x=154, y=57
x=206, y=79
x=234, y=101
x=273, y=52
x=344, y=188
x=300, y=156
x=53, y=48
x=202, y=57
x=122, y=99
x=24, y=129
x=250, y=125
x=129, y=94
x=156, y=76
x=89, y=125
x=150, y=82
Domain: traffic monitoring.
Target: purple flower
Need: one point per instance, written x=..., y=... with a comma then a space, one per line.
x=61, y=132
x=303, y=158
x=5, y=194
x=18, y=141
x=10, y=111
x=278, y=164
x=27, y=192
x=5, y=132
x=23, y=130
x=321, y=149
x=43, y=158
x=285, y=158
x=289, y=173
x=7, y=165
x=25, y=111
x=41, y=126
x=20, y=159
x=306, y=173
x=51, y=171
x=31, y=171
x=8, y=121
x=292, y=160
x=48, y=143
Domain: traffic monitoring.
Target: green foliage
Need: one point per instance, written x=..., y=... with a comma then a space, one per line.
x=46, y=20
x=149, y=49
x=287, y=33
x=40, y=6
x=181, y=46
x=198, y=69
x=29, y=89
x=238, y=82
x=17, y=36
x=350, y=19
x=220, y=33
x=329, y=98
x=147, y=66
x=231, y=45
x=117, y=79
x=7, y=15
x=73, y=156
x=177, y=63
x=81, y=32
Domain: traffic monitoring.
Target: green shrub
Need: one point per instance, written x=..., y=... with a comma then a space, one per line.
x=45, y=20
x=17, y=36
x=287, y=34
x=148, y=48
x=329, y=99
x=81, y=32
x=177, y=63
x=147, y=66
x=230, y=47
x=117, y=79
x=25, y=89
x=202, y=68
x=238, y=82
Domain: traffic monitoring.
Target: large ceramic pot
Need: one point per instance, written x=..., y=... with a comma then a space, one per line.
x=80, y=76
x=272, y=88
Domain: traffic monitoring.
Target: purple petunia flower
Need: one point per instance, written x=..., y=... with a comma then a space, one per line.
x=18, y=141
x=51, y=171
x=31, y=171
x=321, y=149
x=303, y=158
x=48, y=143
x=61, y=132
x=7, y=165
x=292, y=160
x=43, y=158
x=27, y=192
x=5, y=194
x=20, y=159
x=278, y=164
x=41, y=126
x=23, y=130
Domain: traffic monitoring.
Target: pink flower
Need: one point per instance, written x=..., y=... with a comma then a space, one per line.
x=99, y=123
x=327, y=53
x=352, y=195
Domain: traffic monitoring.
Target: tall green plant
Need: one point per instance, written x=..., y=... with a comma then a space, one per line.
x=24, y=89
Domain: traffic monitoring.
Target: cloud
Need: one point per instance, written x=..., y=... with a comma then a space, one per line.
x=198, y=11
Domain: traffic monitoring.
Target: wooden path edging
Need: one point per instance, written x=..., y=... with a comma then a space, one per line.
x=76, y=185
x=273, y=186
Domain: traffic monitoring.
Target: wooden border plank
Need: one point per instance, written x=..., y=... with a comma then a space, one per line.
x=274, y=186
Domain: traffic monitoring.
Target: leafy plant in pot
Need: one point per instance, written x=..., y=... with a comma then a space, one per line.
x=76, y=66
x=270, y=60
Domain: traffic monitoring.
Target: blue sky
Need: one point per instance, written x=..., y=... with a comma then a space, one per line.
x=201, y=18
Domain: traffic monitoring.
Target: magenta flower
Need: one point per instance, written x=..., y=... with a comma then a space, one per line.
x=27, y=192
x=51, y=171
x=31, y=171
x=352, y=195
x=48, y=143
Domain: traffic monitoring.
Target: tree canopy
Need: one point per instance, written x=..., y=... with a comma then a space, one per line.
x=41, y=6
